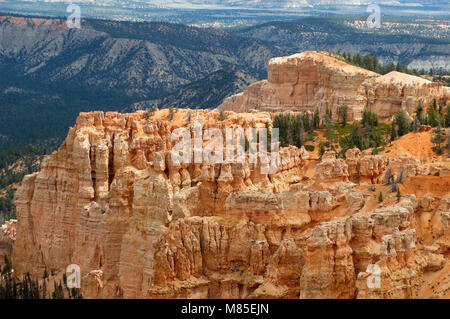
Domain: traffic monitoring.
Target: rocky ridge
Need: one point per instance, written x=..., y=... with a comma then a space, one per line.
x=310, y=80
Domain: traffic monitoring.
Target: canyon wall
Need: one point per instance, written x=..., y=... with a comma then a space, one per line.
x=112, y=200
x=310, y=80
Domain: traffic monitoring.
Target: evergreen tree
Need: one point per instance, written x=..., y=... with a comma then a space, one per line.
x=269, y=135
x=388, y=177
x=222, y=116
x=306, y=122
x=357, y=59
x=441, y=105
x=171, y=114
x=433, y=117
x=380, y=197
x=394, y=134
x=188, y=117
x=301, y=132
x=321, y=149
x=342, y=113
x=394, y=187
x=448, y=145
x=438, y=138
x=447, y=116
x=369, y=118
x=416, y=124
x=403, y=122
x=316, y=118
x=329, y=114
x=419, y=113
x=354, y=139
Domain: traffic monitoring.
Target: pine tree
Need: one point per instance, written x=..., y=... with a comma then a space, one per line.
x=403, y=122
x=328, y=114
x=416, y=124
x=380, y=197
x=222, y=116
x=354, y=139
x=316, y=120
x=301, y=132
x=438, y=138
x=306, y=122
x=171, y=113
x=447, y=116
x=399, y=178
x=342, y=113
x=369, y=118
x=188, y=117
x=269, y=135
x=394, y=134
x=448, y=145
x=394, y=187
x=433, y=117
x=321, y=149
x=419, y=113
x=398, y=194
x=388, y=177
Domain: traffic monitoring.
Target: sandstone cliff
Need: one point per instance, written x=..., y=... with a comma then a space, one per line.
x=112, y=200
x=310, y=80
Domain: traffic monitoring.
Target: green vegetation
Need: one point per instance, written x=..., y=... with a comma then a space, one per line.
x=222, y=116
x=7, y=207
x=342, y=113
x=298, y=129
x=171, y=113
x=445, y=80
x=371, y=63
x=12, y=287
x=369, y=134
x=438, y=139
x=437, y=116
x=380, y=197
x=292, y=128
x=149, y=113
x=29, y=157
x=403, y=123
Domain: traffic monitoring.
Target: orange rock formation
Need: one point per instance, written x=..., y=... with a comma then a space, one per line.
x=112, y=200
x=310, y=80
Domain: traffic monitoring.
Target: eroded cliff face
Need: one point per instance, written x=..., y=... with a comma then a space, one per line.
x=112, y=200
x=310, y=80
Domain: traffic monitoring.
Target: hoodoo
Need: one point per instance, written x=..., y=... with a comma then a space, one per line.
x=112, y=201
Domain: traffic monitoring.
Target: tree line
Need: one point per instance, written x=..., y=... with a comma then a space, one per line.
x=371, y=63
